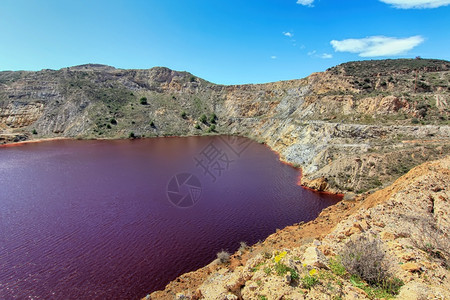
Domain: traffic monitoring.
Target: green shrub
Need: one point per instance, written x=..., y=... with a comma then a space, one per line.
x=309, y=281
x=256, y=268
x=197, y=126
x=34, y=131
x=392, y=285
x=386, y=289
x=143, y=101
x=282, y=269
x=183, y=115
x=294, y=274
x=203, y=119
x=152, y=124
x=336, y=266
x=212, y=118
x=132, y=135
x=212, y=128
x=113, y=121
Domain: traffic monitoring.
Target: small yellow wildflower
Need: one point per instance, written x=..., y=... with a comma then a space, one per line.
x=312, y=272
x=280, y=256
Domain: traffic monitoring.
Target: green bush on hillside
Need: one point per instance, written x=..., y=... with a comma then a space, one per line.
x=203, y=119
x=212, y=118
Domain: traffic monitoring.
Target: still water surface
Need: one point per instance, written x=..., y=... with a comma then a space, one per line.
x=92, y=219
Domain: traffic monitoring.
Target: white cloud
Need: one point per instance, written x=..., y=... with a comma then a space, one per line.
x=305, y=2
x=405, y=4
x=273, y=57
x=288, y=34
x=323, y=55
x=377, y=45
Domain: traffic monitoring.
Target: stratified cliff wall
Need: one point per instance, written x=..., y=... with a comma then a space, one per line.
x=355, y=127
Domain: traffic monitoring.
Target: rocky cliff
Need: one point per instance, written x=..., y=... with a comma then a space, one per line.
x=355, y=127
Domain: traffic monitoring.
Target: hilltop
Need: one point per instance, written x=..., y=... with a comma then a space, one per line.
x=353, y=128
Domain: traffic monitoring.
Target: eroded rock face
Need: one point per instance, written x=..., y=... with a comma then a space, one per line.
x=352, y=128
x=318, y=184
x=17, y=114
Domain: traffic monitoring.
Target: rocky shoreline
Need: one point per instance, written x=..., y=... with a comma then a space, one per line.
x=409, y=219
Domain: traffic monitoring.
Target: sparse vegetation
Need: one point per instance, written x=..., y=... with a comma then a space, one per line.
x=336, y=266
x=243, y=246
x=308, y=281
x=256, y=268
x=369, y=68
x=223, y=257
x=282, y=269
x=432, y=240
x=366, y=261
x=365, y=258
x=386, y=290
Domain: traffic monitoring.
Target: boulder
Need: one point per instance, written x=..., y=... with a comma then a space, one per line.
x=411, y=267
x=414, y=291
x=315, y=258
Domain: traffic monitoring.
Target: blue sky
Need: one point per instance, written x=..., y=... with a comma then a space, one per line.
x=227, y=42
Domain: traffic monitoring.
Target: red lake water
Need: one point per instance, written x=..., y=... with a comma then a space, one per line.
x=120, y=219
